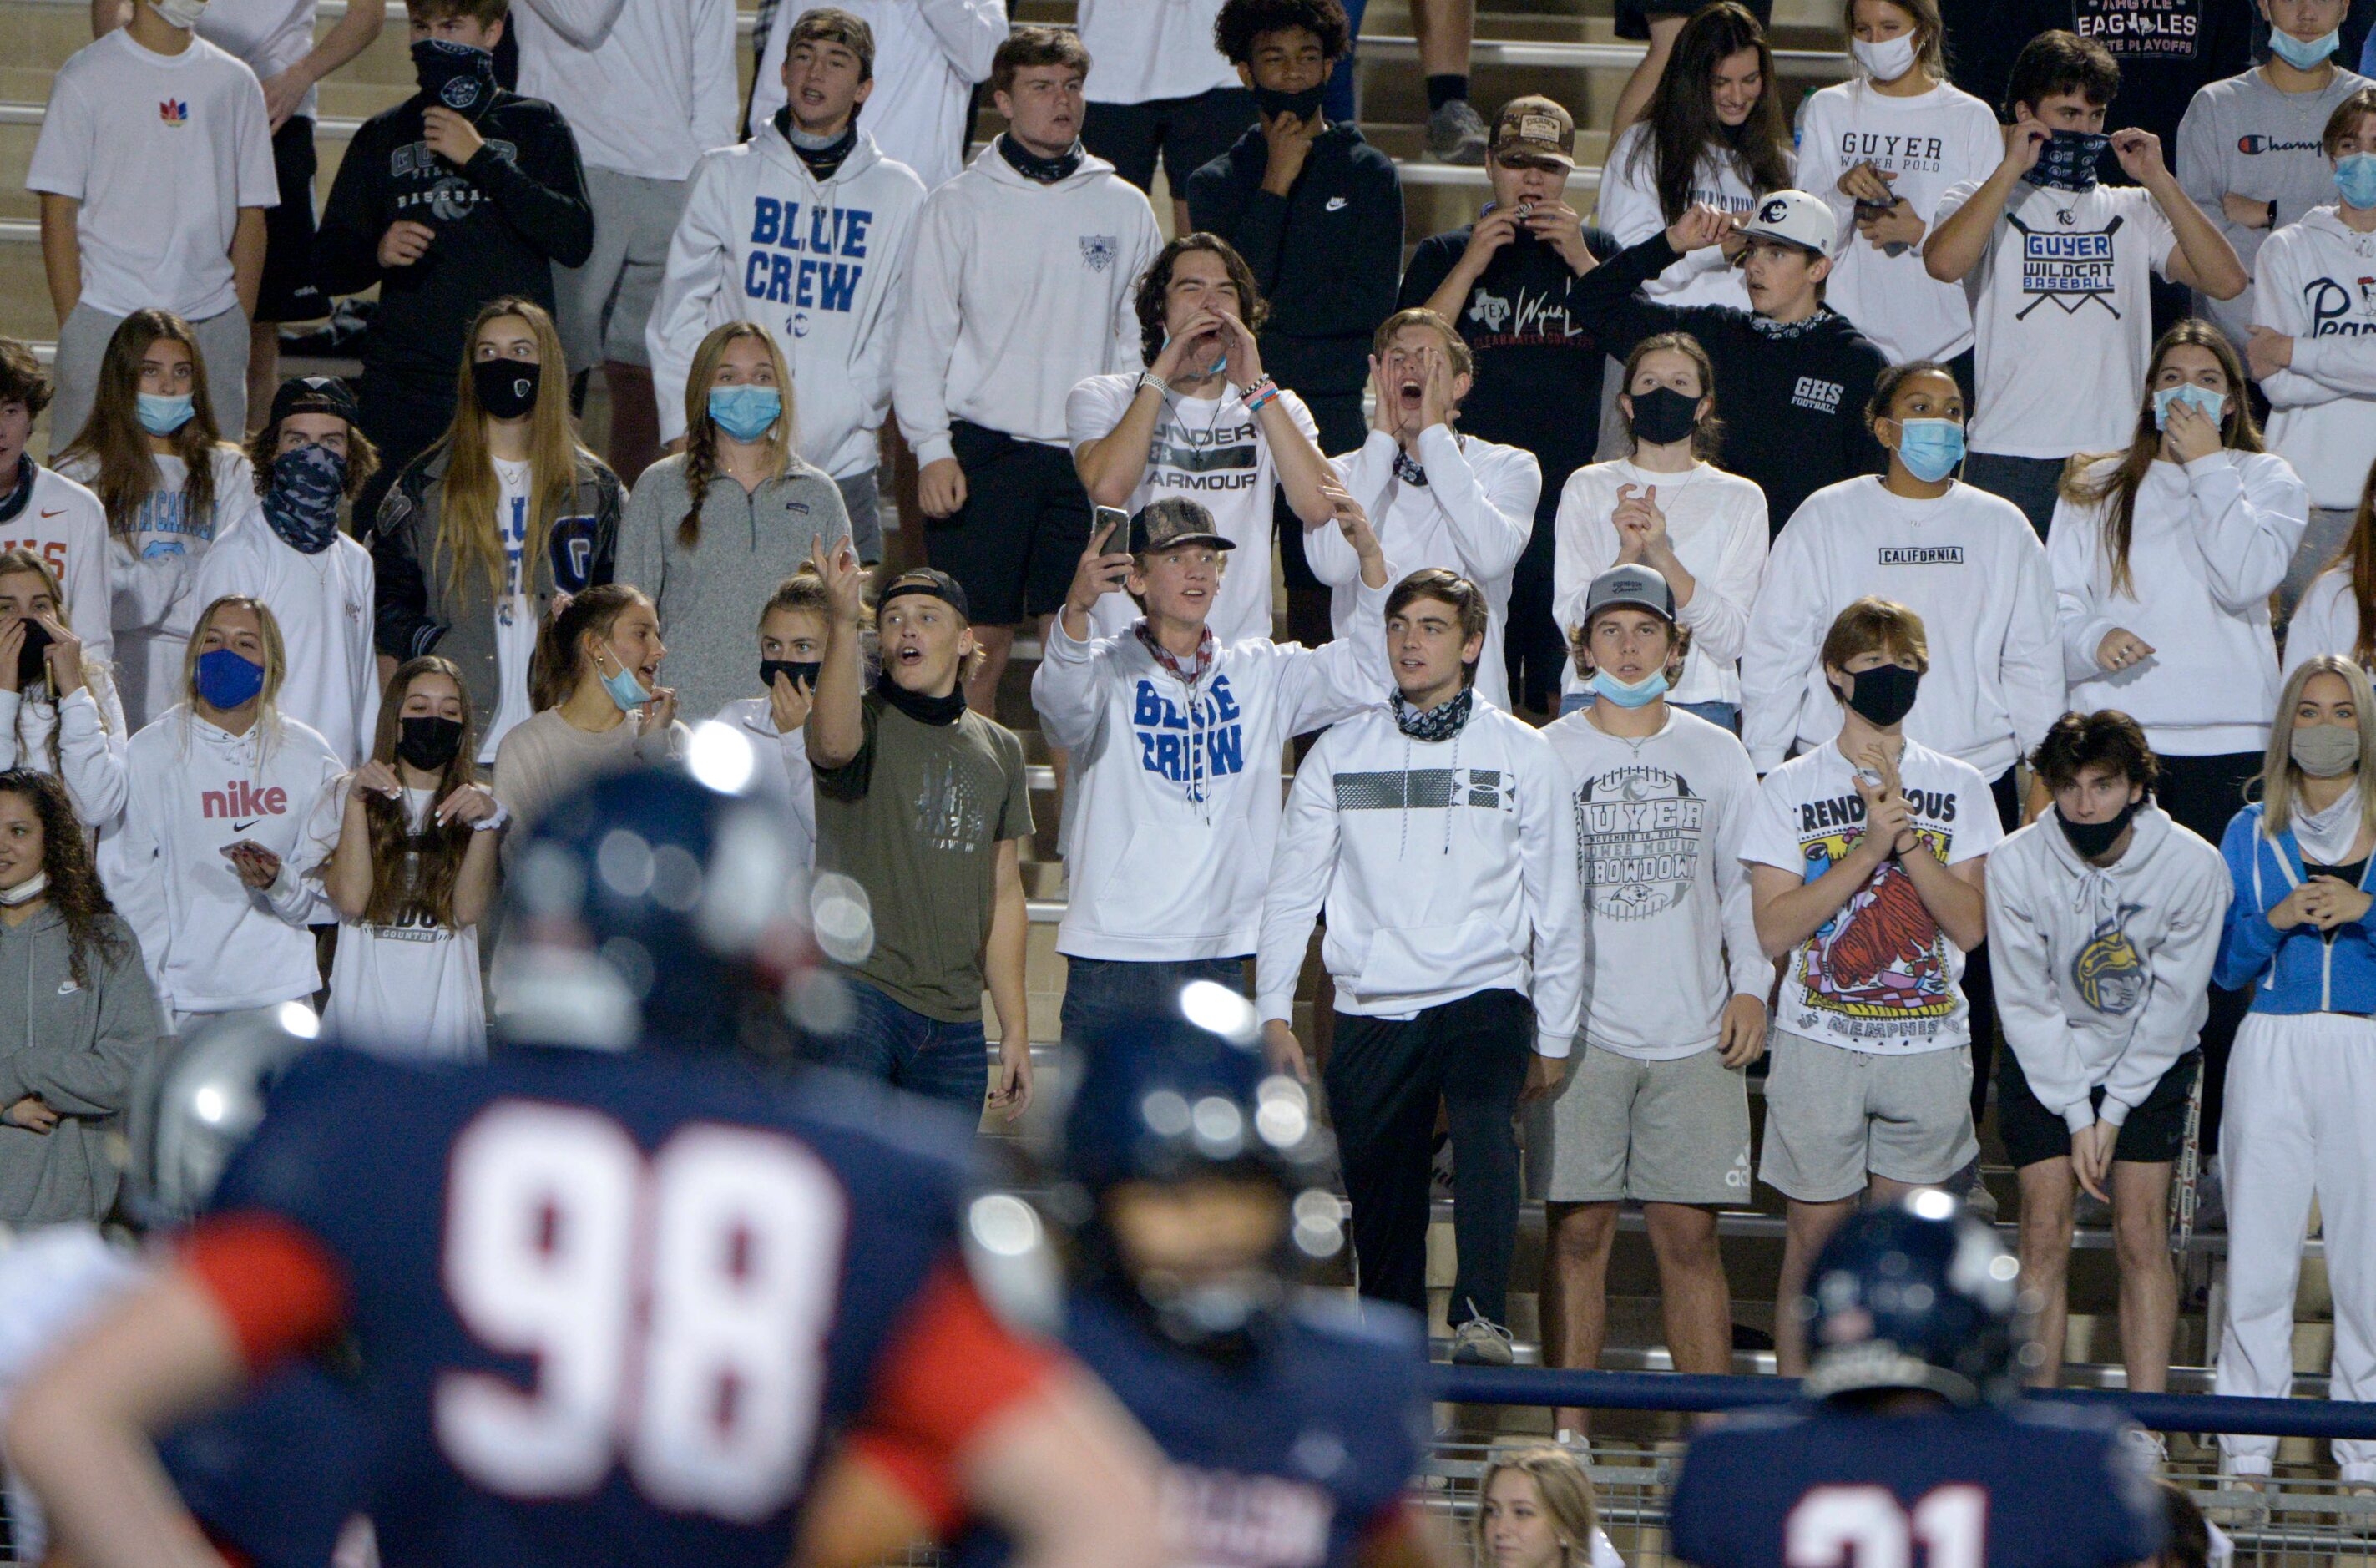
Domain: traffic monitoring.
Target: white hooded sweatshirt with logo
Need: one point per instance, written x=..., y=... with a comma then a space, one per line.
x=2316, y=283
x=818, y=263
x=1016, y=291
x=2102, y=971
x=1175, y=799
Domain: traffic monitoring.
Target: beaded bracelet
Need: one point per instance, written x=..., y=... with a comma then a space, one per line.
x=1261, y=392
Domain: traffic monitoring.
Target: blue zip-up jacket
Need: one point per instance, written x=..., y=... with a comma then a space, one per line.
x=2301, y=970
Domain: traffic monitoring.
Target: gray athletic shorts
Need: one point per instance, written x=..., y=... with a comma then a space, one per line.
x=1673, y=1132
x=605, y=303
x=1834, y=1116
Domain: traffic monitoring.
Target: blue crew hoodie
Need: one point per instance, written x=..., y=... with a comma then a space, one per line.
x=2301, y=970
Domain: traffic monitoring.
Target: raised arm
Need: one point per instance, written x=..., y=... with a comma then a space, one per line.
x=1492, y=511
x=2204, y=259
x=1959, y=240
x=836, y=727
x=2249, y=522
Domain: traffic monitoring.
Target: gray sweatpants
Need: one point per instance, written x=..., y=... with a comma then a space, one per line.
x=222, y=344
x=605, y=303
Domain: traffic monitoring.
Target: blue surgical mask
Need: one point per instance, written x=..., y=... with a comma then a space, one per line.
x=1929, y=449
x=1639, y=693
x=746, y=413
x=228, y=680
x=2212, y=403
x=625, y=689
x=163, y=416
x=2303, y=55
x=2355, y=177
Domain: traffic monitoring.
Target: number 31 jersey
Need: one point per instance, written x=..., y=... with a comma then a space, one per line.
x=608, y=1308
x=1814, y=1487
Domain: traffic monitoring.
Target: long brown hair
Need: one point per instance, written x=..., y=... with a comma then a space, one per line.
x=416, y=871
x=1682, y=120
x=701, y=434
x=2358, y=556
x=115, y=439
x=74, y=888
x=22, y=562
x=552, y=672
x=2116, y=491
x=465, y=516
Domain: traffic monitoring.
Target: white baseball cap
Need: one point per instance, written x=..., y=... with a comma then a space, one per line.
x=1795, y=217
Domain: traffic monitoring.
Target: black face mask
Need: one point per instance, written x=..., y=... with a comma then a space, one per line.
x=1882, y=696
x=506, y=388
x=31, y=665
x=1663, y=415
x=916, y=705
x=2092, y=838
x=2068, y=160
x=428, y=743
x=456, y=75
x=1270, y=101
x=802, y=674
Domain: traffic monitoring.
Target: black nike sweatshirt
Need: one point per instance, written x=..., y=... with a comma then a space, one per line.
x=1791, y=397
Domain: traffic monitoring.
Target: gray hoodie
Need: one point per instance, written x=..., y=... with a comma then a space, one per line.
x=76, y=1046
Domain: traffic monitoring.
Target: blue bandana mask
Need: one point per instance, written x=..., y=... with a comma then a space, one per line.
x=2354, y=178
x=303, y=504
x=746, y=413
x=2212, y=403
x=163, y=416
x=228, y=680
x=2303, y=55
x=1640, y=693
x=2067, y=161
x=1929, y=449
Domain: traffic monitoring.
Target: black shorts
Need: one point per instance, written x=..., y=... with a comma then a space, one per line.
x=2152, y=1134
x=286, y=292
x=1016, y=543
x=1633, y=15
x=1190, y=132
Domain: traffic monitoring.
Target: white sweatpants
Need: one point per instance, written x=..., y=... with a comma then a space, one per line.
x=2301, y=1122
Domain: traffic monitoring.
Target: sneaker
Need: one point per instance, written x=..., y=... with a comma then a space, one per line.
x=1480, y=1343
x=2151, y=1445
x=1457, y=134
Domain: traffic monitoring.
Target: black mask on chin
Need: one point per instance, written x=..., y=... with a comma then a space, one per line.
x=1302, y=105
x=2092, y=838
x=1882, y=696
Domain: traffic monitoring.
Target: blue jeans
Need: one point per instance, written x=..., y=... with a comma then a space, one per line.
x=1724, y=715
x=1106, y=993
x=948, y=1063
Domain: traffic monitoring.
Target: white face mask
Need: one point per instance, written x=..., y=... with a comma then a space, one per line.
x=1884, y=62
x=26, y=891
x=183, y=14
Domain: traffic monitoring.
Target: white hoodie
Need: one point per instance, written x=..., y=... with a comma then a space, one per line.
x=1447, y=868
x=2315, y=281
x=1016, y=291
x=93, y=741
x=2103, y=972
x=818, y=264
x=1174, y=805
x=2209, y=542
x=64, y=525
x=1968, y=563
x=213, y=944
x=2327, y=621
x=647, y=86
x=927, y=55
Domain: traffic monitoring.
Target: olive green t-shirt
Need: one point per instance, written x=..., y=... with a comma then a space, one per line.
x=915, y=819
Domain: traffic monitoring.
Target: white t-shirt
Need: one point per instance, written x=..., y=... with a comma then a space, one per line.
x=2062, y=317
x=1211, y=451
x=1879, y=976
x=161, y=150
x=1143, y=49
x=410, y=989
x=1629, y=209
x=269, y=35
x=323, y=604
x=515, y=615
x=1930, y=142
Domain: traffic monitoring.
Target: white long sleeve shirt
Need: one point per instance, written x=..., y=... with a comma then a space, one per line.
x=323, y=604
x=64, y=525
x=1445, y=867
x=92, y=745
x=1671, y=929
x=1472, y=515
x=1968, y=563
x=1017, y=291
x=2209, y=542
x=819, y=263
x=1629, y=209
x=2103, y=972
x=927, y=55
x=647, y=86
x=2327, y=621
x=2315, y=282
x=1715, y=522
x=1174, y=801
x=785, y=778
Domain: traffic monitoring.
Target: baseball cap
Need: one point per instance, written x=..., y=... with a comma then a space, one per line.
x=1161, y=525
x=1630, y=588
x=1797, y=218
x=315, y=394
x=1535, y=128
x=932, y=583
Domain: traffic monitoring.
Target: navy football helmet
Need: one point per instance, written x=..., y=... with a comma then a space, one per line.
x=194, y=1100
x=1176, y=1095
x=1916, y=1294
x=650, y=905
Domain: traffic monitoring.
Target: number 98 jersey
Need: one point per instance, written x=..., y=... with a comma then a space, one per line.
x=608, y=1308
x=2040, y=1486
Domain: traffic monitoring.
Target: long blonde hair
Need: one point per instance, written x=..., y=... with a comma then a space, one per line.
x=701, y=434
x=21, y=561
x=1929, y=35
x=115, y=444
x=276, y=666
x=1561, y=1486
x=2281, y=776
x=465, y=516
